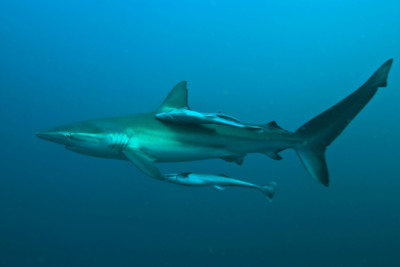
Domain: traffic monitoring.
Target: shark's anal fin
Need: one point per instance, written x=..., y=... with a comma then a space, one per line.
x=237, y=159
x=143, y=162
x=274, y=155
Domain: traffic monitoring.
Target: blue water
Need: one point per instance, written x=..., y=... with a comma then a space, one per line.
x=65, y=61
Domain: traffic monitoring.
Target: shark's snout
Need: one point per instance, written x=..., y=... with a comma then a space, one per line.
x=56, y=137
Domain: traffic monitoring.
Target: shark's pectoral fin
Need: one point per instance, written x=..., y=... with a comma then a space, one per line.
x=236, y=159
x=144, y=163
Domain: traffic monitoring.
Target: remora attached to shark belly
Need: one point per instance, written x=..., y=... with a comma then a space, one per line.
x=219, y=181
x=144, y=140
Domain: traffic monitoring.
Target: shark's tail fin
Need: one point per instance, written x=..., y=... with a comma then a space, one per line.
x=269, y=190
x=319, y=132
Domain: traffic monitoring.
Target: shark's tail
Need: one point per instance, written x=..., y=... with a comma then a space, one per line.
x=319, y=132
x=268, y=190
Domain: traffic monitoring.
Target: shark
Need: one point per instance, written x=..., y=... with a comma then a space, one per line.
x=144, y=140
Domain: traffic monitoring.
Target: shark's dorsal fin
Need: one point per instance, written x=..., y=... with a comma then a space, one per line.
x=176, y=99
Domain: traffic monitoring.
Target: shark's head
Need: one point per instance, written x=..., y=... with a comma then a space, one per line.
x=85, y=138
x=71, y=135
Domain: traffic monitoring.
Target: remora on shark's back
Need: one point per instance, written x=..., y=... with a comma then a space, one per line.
x=186, y=116
x=143, y=140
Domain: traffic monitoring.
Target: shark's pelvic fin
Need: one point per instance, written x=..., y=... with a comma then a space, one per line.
x=237, y=159
x=144, y=163
x=176, y=99
x=319, y=132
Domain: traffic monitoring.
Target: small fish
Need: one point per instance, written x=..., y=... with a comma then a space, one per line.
x=219, y=181
x=187, y=116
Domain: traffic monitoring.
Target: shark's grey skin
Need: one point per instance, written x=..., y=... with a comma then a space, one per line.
x=219, y=181
x=143, y=140
x=187, y=116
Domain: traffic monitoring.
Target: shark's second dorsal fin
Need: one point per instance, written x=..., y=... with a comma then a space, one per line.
x=176, y=99
x=273, y=125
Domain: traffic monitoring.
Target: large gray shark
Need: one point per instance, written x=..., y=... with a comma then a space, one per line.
x=143, y=140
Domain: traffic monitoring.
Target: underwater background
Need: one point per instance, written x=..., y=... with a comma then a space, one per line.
x=66, y=61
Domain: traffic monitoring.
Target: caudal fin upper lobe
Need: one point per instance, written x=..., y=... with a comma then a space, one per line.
x=318, y=133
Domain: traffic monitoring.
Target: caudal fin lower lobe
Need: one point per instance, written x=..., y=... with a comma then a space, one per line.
x=319, y=132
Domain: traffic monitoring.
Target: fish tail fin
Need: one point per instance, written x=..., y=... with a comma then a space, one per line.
x=318, y=133
x=269, y=190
